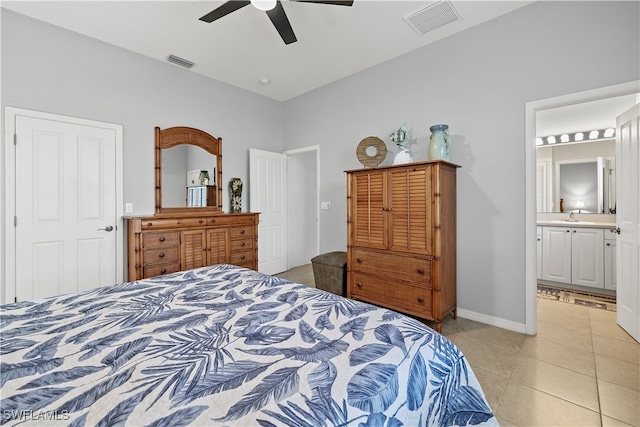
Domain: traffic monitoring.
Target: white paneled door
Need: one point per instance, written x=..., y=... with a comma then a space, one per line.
x=267, y=195
x=628, y=221
x=65, y=207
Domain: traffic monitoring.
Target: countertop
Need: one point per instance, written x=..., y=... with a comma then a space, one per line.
x=567, y=223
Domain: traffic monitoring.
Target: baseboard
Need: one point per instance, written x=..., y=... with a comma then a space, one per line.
x=493, y=321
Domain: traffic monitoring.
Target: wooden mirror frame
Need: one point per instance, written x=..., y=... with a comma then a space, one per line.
x=171, y=137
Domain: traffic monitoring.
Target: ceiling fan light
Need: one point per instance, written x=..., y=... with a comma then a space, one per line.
x=264, y=4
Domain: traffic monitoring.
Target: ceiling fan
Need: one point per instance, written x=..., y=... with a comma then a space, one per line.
x=274, y=10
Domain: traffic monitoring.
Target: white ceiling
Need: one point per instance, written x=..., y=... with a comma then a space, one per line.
x=244, y=47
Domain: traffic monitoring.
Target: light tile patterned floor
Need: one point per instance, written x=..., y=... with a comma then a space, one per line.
x=581, y=369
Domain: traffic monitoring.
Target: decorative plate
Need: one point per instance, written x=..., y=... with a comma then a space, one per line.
x=371, y=151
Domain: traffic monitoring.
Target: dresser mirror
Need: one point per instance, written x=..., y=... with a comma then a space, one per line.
x=188, y=171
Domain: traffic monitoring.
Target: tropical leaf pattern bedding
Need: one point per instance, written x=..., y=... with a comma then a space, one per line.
x=224, y=345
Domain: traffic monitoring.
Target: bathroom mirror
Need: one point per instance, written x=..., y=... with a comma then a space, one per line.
x=188, y=171
x=581, y=174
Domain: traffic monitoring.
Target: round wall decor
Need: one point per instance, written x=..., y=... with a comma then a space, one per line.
x=371, y=151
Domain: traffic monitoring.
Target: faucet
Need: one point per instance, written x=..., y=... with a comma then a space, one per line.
x=572, y=217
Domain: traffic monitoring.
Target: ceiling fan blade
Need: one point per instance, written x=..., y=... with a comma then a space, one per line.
x=282, y=24
x=225, y=9
x=333, y=2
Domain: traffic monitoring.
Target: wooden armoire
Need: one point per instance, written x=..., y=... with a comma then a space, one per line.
x=401, y=249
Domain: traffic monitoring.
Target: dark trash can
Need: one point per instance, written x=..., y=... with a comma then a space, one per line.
x=330, y=272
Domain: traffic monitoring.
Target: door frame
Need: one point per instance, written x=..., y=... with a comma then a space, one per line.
x=531, y=108
x=8, y=290
x=304, y=150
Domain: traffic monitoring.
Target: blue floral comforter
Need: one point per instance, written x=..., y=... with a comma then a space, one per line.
x=224, y=345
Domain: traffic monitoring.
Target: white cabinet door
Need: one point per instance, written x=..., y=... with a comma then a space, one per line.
x=610, y=264
x=587, y=257
x=556, y=258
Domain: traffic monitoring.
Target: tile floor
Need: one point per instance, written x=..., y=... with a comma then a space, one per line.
x=581, y=369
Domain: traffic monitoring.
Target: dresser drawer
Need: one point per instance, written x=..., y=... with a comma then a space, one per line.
x=241, y=232
x=160, y=269
x=164, y=255
x=164, y=223
x=406, y=268
x=160, y=239
x=241, y=244
x=241, y=257
x=231, y=220
x=391, y=294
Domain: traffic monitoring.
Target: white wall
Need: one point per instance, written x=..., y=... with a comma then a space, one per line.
x=478, y=82
x=51, y=69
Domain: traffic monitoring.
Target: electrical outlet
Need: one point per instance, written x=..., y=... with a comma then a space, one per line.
x=128, y=207
x=325, y=206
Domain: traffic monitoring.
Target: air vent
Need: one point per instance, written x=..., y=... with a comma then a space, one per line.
x=180, y=61
x=431, y=17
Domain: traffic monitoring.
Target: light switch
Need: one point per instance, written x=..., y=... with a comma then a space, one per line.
x=128, y=208
x=325, y=206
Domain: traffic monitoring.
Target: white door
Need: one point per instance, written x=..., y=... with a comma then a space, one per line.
x=628, y=221
x=65, y=207
x=267, y=195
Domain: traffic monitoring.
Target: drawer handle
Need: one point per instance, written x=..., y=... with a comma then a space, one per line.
x=161, y=255
x=242, y=257
x=421, y=271
x=359, y=285
x=420, y=300
x=162, y=239
x=359, y=260
x=200, y=221
x=242, y=244
x=242, y=232
x=164, y=270
x=149, y=224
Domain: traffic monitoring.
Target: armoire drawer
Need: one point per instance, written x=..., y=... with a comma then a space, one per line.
x=401, y=267
x=391, y=294
x=163, y=255
x=161, y=239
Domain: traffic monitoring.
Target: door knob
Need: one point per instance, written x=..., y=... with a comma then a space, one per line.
x=107, y=228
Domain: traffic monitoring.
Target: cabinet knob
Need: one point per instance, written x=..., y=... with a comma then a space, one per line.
x=359, y=284
x=200, y=221
x=421, y=271
x=575, y=231
x=242, y=244
x=608, y=244
x=164, y=270
x=568, y=231
x=242, y=257
x=213, y=220
x=242, y=232
x=359, y=260
x=161, y=239
x=420, y=300
x=149, y=224
x=161, y=255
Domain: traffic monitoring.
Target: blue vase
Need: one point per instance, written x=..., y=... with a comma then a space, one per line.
x=439, y=142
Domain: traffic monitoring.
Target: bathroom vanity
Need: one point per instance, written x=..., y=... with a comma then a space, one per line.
x=579, y=253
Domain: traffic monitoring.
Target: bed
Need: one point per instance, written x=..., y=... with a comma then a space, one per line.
x=224, y=345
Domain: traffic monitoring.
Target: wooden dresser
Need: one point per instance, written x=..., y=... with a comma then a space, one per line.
x=166, y=243
x=401, y=228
